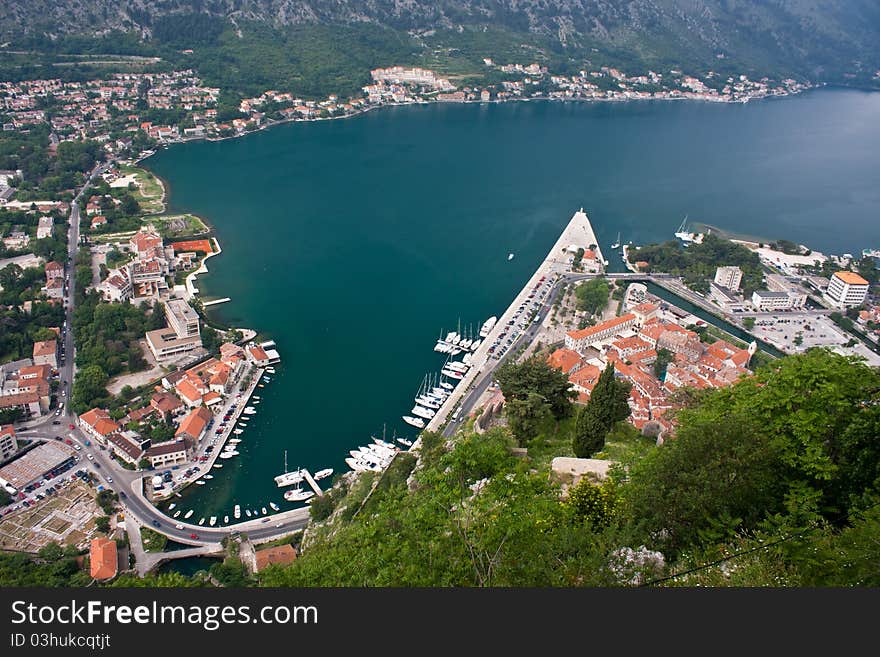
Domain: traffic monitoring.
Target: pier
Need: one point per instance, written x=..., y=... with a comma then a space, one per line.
x=311, y=481
x=214, y=302
x=578, y=233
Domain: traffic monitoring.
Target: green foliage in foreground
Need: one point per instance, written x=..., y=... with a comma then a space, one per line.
x=592, y=296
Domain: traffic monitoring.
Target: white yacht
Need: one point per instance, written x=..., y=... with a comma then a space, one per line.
x=225, y=520
x=248, y=513
x=213, y=521
x=263, y=511
x=427, y=402
x=201, y=521
x=414, y=421
x=249, y=410
x=476, y=344
x=452, y=374
x=298, y=495
x=237, y=511
x=488, y=325
x=384, y=443
x=404, y=441
x=616, y=244
x=447, y=386
x=171, y=506
x=361, y=466
x=421, y=411
x=177, y=513
x=274, y=506
x=188, y=514
x=322, y=474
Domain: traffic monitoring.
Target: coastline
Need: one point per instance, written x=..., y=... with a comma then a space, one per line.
x=276, y=122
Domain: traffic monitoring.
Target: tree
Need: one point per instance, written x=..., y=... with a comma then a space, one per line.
x=609, y=398
x=748, y=323
x=591, y=503
x=589, y=433
x=524, y=416
x=664, y=357
x=5, y=497
x=535, y=375
x=88, y=386
x=592, y=296
x=102, y=524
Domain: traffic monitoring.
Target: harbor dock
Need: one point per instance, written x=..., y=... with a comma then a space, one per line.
x=578, y=233
x=311, y=481
x=215, y=301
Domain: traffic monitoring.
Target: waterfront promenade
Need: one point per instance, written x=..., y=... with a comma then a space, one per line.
x=578, y=233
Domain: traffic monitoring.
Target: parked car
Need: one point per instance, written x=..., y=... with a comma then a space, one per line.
x=90, y=457
x=193, y=535
x=156, y=523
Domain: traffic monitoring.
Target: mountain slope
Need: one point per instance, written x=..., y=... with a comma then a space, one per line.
x=832, y=40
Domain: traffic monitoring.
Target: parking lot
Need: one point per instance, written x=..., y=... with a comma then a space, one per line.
x=794, y=333
x=66, y=516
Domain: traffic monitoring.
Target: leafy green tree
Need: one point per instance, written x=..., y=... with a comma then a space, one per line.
x=664, y=357
x=748, y=323
x=89, y=385
x=535, y=375
x=589, y=433
x=592, y=296
x=525, y=416
x=102, y=524
x=5, y=497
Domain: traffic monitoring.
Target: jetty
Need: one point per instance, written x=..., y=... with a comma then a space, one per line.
x=577, y=234
x=311, y=481
x=214, y=302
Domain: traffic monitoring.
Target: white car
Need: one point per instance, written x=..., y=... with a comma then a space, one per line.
x=178, y=526
x=90, y=457
x=77, y=448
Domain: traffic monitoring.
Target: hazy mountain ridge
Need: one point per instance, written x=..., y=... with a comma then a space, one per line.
x=810, y=37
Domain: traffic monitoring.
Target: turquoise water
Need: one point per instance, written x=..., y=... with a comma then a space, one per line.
x=353, y=242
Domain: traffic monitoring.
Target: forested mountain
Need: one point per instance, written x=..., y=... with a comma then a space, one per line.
x=836, y=41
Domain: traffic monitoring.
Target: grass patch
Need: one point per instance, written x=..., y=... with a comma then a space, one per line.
x=153, y=541
x=149, y=189
x=179, y=225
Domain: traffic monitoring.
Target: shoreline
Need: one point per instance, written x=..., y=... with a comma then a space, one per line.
x=277, y=122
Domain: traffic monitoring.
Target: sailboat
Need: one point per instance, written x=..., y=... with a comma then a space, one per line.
x=616, y=242
x=288, y=478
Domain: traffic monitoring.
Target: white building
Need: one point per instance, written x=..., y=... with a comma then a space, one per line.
x=182, y=334
x=44, y=228
x=771, y=300
x=847, y=288
x=729, y=277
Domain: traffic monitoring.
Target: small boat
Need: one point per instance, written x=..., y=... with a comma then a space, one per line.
x=256, y=397
x=225, y=520
x=217, y=466
x=238, y=432
x=247, y=512
x=213, y=521
x=188, y=514
x=237, y=511
x=447, y=386
x=171, y=506
x=270, y=370
x=616, y=242
x=263, y=511
x=321, y=474
x=201, y=521
x=404, y=441
x=208, y=476
x=256, y=401
x=200, y=482
x=414, y=421
x=274, y=506
x=510, y=256
x=260, y=385
x=177, y=513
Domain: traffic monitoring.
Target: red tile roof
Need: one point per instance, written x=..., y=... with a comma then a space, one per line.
x=103, y=558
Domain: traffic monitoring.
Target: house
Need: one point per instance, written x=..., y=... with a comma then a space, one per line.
x=165, y=453
x=189, y=393
x=45, y=353
x=98, y=424
x=166, y=404
x=145, y=241
x=280, y=554
x=257, y=355
x=54, y=288
x=645, y=312
x=117, y=286
x=44, y=227
x=103, y=559
x=126, y=445
x=193, y=426
x=8, y=443
x=98, y=221
x=54, y=270
x=566, y=360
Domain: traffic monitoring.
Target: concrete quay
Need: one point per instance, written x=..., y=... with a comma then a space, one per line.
x=579, y=233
